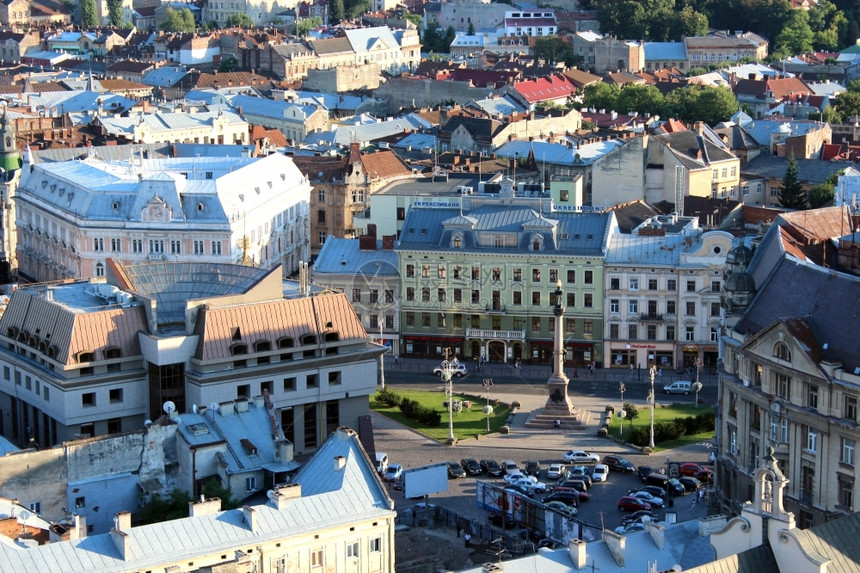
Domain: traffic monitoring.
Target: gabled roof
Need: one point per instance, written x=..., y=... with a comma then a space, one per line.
x=547, y=88
x=384, y=165
x=481, y=129
x=809, y=171
x=694, y=146
x=581, y=78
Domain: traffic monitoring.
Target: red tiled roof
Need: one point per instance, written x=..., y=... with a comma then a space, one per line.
x=384, y=165
x=542, y=89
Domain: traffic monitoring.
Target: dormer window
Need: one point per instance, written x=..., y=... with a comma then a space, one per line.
x=781, y=351
x=536, y=242
x=457, y=241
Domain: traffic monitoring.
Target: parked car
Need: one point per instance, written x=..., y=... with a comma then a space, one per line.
x=676, y=487
x=575, y=485
x=509, y=466
x=619, y=464
x=705, y=476
x=491, y=468
x=455, y=471
x=398, y=484
x=520, y=490
x=678, y=387
x=630, y=528
x=666, y=484
x=555, y=471
x=581, y=457
x=457, y=369
x=643, y=472
x=652, y=489
x=690, y=483
x=600, y=472
x=632, y=503
x=529, y=483
x=580, y=473
x=640, y=515
x=562, y=507
x=381, y=462
x=655, y=501
x=393, y=472
x=532, y=467
x=690, y=469
x=518, y=475
x=472, y=467
x=566, y=497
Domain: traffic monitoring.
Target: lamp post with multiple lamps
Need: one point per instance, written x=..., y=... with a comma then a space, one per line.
x=652, y=372
x=488, y=410
x=381, y=357
x=448, y=366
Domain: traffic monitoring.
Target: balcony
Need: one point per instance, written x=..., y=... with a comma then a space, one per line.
x=650, y=317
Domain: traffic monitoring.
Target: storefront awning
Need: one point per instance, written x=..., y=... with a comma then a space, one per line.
x=691, y=348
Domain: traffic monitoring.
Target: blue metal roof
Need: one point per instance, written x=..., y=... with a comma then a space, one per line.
x=665, y=51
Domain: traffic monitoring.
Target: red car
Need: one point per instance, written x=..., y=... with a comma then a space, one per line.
x=691, y=469
x=630, y=503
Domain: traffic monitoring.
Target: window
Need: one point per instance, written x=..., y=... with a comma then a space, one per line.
x=356, y=295
x=690, y=308
x=80, y=502
x=689, y=334
x=476, y=273
x=115, y=245
x=321, y=237
x=458, y=272
x=613, y=331
x=846, y=492
x=476, y=296
x=518, y=275
x=535, y=298
x=781, y=351
x=587, y=327
x=615, y=284
x=553, y=276
x=571, y=276
x=352, y=549
x=425, y=319
x=36, y=507
x=812, y=396
x=571, y=299
x=243, y=391
x=535, y=275
x=812, y=441
x=536, y=324
x=410, y=293
x=374, y=295
x=458, y=295
x=475, y=321
x=691, y=286
x=376, y=545
x=321, y=216
x=497, y=274
x=632, y=306
x=671, y=285
x=589, y=277
x=714, y=334
x=114, y=426
x=783, y=386
x=851, y=408
x=715, y=286
x=425, y=295
x=652, y=332
x=116, y=395
x=588, y=300
x=311, y=381
x=774, y=429
x=88, y=399
x=410, y=319
x=634, y=283
x=847, y=452
x=441, y=295
x=198, y=247
x=633, y=331
x=783, y=431
x=98, y=245
x=518, y=297
x=670, y=332
x=425, y=271
x=389, y=296
x=441, y=272
x=320, y=195
x=175, y=247
x=410, y=271
x=613, y=305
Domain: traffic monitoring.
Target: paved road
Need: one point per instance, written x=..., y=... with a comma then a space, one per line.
x=411, y=449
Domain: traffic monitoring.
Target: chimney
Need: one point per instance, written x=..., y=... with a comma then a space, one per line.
x=576, y=549
x=241, y=406
x=259, y=402
x=617, y=544
x=282, y=494
x=227, y=408
x=249, y=517
x=204, y=506
x=122, y=521
x=122, y=541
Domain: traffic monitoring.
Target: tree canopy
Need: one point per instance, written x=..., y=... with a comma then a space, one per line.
x=433, y=41
x=239, y=20
x=308, y=24
x=554, y=49
x=115, y=12
x=179, y=21
x=656, y=20
x=89, y=19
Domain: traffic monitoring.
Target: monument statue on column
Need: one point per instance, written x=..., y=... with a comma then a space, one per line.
x=558, y=402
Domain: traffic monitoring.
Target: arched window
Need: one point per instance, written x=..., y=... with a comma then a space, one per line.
x=781, y=351
x=100, y=270
x=457, y=240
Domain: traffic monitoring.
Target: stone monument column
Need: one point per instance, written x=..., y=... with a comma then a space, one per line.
x=558, y=401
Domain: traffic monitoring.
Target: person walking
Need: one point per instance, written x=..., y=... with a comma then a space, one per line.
x=467, y=539
x=701, y=494
x=576, y=372
x=693, y=503
x=396, y=360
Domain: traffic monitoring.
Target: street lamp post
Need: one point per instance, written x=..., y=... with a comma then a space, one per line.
x=651, y=399
x=488, y=410
x=448, y=377
x=381, y=358
x=622, y=412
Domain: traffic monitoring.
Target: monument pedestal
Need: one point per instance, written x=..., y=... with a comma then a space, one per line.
x=558, y=401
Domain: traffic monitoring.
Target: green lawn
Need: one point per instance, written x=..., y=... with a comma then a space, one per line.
x=467, y=423
x=663, y=414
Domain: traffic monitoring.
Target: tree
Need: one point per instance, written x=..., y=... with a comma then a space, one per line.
x=471, y=30
x=179, y=21
x=88, y=14
x=115, y=12
x=848, y=103
x=209, y=26
x=355, y=8
x=791, y=193
x=796, y=36
x=631, y=412
x=600, y=96
x=228, y=64
x=240, y=20
x=640, y=98
x=688, y=22
x=701, y=103
x=554, y=49
x=308, y=24
x=820, y=195
x=337, y=12
x=174, y=506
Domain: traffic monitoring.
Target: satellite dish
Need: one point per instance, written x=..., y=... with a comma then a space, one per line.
x=169, y=407
x=213, y=406
x=25, y=515
x=194, y=408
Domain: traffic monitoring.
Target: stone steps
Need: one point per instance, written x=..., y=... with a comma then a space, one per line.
x=578, y=420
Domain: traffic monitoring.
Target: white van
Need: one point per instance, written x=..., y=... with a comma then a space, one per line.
x=381, y=462
x=678, y=387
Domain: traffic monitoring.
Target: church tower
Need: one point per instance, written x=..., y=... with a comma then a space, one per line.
x=10, y=170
